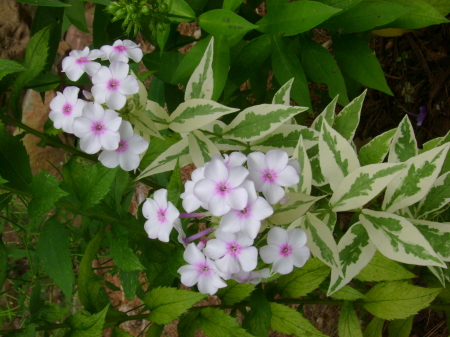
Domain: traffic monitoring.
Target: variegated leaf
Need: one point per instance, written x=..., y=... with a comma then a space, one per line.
x=201, y=83
x=196, y=113
x=321, y=241
x=404, y=144
x=328, y=218
x=304, y=185
x=168, y=159
x=414, y=183
x=362, y=185
x=437, y=271
x=347, y=121
x=437, y=197
x=431, y=144
x=297, y=205
x=158, y=115
x=336, y=155
x=283, y=95
x=355, y=252
x=327, y=113
x=398, y=239
x=377, y=149
x=437, y=234
x=201, y=148
x=258, y=121
x=317, y=177
x=214, y=132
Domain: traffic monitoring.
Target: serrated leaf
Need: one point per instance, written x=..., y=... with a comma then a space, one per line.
x=297, y=205
x=380, y=268
x=282, y=96
x=9, y=67
x=347, y=293
x=235, y=292
x=374, y=328
x=257, y=320
x=349, y=325
x=216, y=323
x=201, y=83
x=82, y=326
x=376, y=150
x=121, y=252
x=347, y=121
x=401, y=327
x=224, y=22
x=129, y=280
x=404, y=144
x=398, y=299
x=437, y=197
x=437, y=234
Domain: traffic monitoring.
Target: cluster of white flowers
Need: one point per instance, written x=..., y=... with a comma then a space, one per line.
x=227, y=189
x=97, y=123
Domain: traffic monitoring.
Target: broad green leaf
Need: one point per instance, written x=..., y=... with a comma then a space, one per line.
x=165, y=65
x=305, y=183
x=155, y=330
x=365, y=16
x=121, y=252
x=201, y=83
x=346, y=122
x=175, y=186
x=398, y=239
x=328, y=114
x=347, y=293
x=235, y=292
x=404, y=144
x=191, y=60
x=358, y=61
x=349, y=325
x=258, y=121
x=303, y=280
x=337, y=157
x=76, y=15
x=45, y=191
x=3, y=262
x=380, y=268
x=376, y=150
x=54, y=252
x=355, y=252
x=401, y=327
x=437, y=197
x=289, y=321
x=49, y=3
x=129, y=280
x=220, y=64
x=363, y=185
x=215, y=322
x=201, y=148
x=181, y=8
x=82, y=326
x=9, y=67
x=224, y=22
x=157, y=114
x=343, y=4
x=374, y=328
x=283, y=95
x=321, y=67
x=231, y=4
x=195, y=113
x=398, y=299
x=442, y=6
x=167, y=304
x=120, y=333
x=295, y=17
x=431, y=144
x=162, y=35
x=413, y=184
x=437, y=234
x=297, y=205
x=257, y=320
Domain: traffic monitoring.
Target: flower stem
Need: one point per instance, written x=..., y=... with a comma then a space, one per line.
x=198, y=235
x=190, y=215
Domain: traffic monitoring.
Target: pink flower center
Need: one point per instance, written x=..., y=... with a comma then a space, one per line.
x=285, y=250
x=203, y=269
x=82, y=60
x=120, y=49
x=67, y=109
x=234, y=249
x=162, y=215
x=245, y=213
x=223, y=188
x=123, y=146
x=113, y=84
x=269, y=175
x=98, y=128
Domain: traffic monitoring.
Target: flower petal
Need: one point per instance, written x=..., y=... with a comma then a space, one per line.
x=288, y=176
x=58, y=102
x=204, y=190
x=137, y=144
x=236, y=175
x=160, y=196
x=269, y=253
x=119, y=70
x=102, y=76
x=115, y=100
x=261, y=209
x=248, y=258
x=74, y=72
x=217, y=206
x=300, y=256
x=297, y=238
x=277, y=236
x=215, y=249
x=283, y=265
x=91, y=67
x=277, y=160
x=230, y=223
x=81, y=126
x=216, y=171
x=71, y=94
x=152, y=229
x=193, y=255
x=135, y=54
x=129, y=161
x=273, y=192
x=99, y=92
x=109, y=158
x=129, y=86
x=237, y=198
x=89, y=143
x=110, y=140
x=189, y=275
x=149, y=208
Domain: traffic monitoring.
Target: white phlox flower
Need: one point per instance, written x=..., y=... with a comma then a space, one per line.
x=80, y=61
x=232, y=160
x=190, y=201
x=161, y=215
x=247, y=220
x=97, y=128
x=65, y=107
x=270, y=172
x=253, y=277
x=112, y=84
x=122, y=51
x=201, y=271
x=232, y=252
x=285, y=249
x=127, y=153
x=220, y=188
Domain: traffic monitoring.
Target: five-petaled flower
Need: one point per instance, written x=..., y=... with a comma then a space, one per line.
x=80, y=61
x=122, y=51
x=65, y=107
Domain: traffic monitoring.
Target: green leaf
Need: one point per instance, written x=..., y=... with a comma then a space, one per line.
x=201, y=83
x=129, y=280
x=404, y=144
x=437, y=197
x=349, y=325
x=235, y=292
x=121, y=252
x=295, y=17
x=358, y=61
x=155, y=330
x=158, y=146
x=191, y=60
x=224, y=22
x=303, y=280
x=289, y=321
x=346, y=122
x=182, y=8
x=82, y=326
x=343, y=4
x=400, y=327
x=5, y=199
x=167, y=304
x=220, y=64
x=76, y=15
x=376, y=150
x=215, y=322
x=50, y=3
x=347, y=293
x=120, y=333
x=9, y=67
x=398, y=299
x=257, y=320
x=175, y=186
x=165, y=65
x=442, y=6
x=380, y=268
x=3, y=262
x=54, y=252
x=231, y=4
x=375, y=328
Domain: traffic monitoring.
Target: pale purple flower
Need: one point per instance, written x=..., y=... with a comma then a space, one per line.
x=161, y=215
x=190, y=201
x=232, y=252
x=201, y=271
x=247, y=220
x=232, y=160
x=127, y=153
x=270, y=172
x=420, y=116
x=80, y=61
x=97, y=128
x=112, y=84
x=253, y=277
x=65, y=107
x=220, y=188
x=285, y=249
x=122, y=51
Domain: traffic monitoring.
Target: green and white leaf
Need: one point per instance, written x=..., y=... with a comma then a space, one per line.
x=214, y=131
x=439, y=273
x=297, y=205
x=317, y=177
x=431, y=144
x=201, y=148
x=328, y=113
x=337, y=157
x=398, y=239
x=158, y=115
x=349, y=325
x=258, y=121
x=329, y=218
x=413, y=184
x=437, y=234
x=404, y=144
x=347, y=120
x=283, y=95
x=305, y=183
x=377, y=149
x=201, y=83
x=437, y=197
x=362, y=185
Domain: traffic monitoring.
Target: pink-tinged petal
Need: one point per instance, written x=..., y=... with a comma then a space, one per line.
x=189, y=275
x=248, y=259
x=77, y=110
x=57, y=119
x=106, y=50
x=74, y=72
x=297, y=238
x=149, y=208
x=160, y=196
x=204, y=190
x=288, y=177
x=71, y=94
x=137, y=144
x=135, y=54
x=261, y=209
x=89, y=143
x=243, y=239
x=112, y=120
x=79, y=53
x=230, y=223
x=236, y=159
x=269, y=253
x=129, y=43
x=91, y=67
x=276, y=160
x=205, y=286
x=300, y=256
x=99, y=92
x=95, y=54
x=217, y=206
x=58, y=102
x=273, y=192
x=118, y=43
x=283, y=266
x=129, y=86
x=115, y=100
x=152, y=229
x=251, y=227
x=67, y=125
x=129, y=161
x=81, y=126
x=236, y=176
x=125, y=130
x=85, y=51
x=103, y=75
x=224, y=236
x=110, y=140
x=228, y=264
x=68, y=61
x=277, y=236
x=172, y=212
x=216, y=171
x=237, y=198
x=218, y=282
x=251, y=191
x=118, y=57
x=164, y=232
x=109, y=158
x=193, y=255
x=119, y=70
x=256, y=161
x=215, y=249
